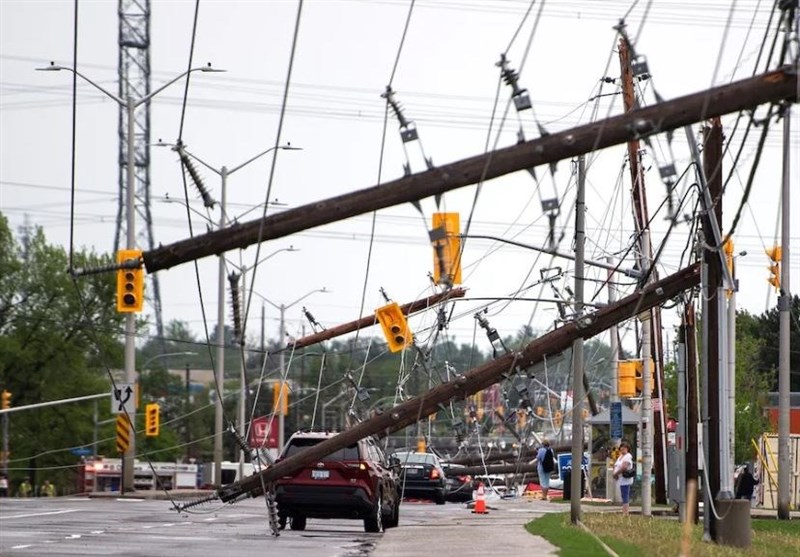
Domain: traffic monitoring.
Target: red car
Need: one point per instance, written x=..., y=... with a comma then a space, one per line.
x=354, y=482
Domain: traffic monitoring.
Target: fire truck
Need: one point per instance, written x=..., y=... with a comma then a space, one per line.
x=105, y=474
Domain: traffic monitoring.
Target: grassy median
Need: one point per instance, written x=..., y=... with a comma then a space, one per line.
x=637, y=536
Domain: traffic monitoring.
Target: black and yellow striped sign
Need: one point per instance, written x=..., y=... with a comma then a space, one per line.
x=123, y=433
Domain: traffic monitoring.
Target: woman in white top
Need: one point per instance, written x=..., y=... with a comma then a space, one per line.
x=624, y=462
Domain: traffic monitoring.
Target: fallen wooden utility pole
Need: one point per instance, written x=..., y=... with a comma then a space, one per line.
x=474, y=380
x=521, y=468
x=345, y=328
x=748, y=93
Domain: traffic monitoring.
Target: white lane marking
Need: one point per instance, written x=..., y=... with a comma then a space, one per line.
x=29, y=515
x=129, y=499
x=22, y=546
x=97, y=532
x=72, y=537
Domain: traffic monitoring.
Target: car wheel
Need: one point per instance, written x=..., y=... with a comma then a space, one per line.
x=439, y=497
x=281, y=522
x=374, y=523
x=298, y=523
x=394, y=518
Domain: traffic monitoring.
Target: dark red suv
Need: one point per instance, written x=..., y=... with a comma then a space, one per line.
x=354, y=482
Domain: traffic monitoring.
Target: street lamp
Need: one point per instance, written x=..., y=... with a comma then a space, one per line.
x=130, y=104
x=282, y=358
x=224, y=172
x=242, y=374
x=166, y=355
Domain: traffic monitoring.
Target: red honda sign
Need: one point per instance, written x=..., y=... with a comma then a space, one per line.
x=263, y=434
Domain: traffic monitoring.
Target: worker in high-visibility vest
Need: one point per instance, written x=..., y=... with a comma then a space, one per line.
x=25, y=488
x=47, y=489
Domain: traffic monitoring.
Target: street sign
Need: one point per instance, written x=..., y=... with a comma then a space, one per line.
x=81, y=451
x=123, y=399
x=123, y=433
x=565, y=459
x=262, y=434
x=616, y=420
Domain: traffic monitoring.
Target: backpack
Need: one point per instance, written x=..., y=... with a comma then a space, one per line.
x=548, y=463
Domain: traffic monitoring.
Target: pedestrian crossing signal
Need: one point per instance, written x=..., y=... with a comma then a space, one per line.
x=394, y=325
x=152, y=419
x=130, y=282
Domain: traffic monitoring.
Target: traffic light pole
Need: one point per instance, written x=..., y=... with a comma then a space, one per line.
x=130, y=318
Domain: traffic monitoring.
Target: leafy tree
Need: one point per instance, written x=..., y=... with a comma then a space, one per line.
x=58, y=338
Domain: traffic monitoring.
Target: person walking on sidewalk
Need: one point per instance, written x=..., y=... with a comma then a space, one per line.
x=624, y=473
x=3, y=485
x=545, y=464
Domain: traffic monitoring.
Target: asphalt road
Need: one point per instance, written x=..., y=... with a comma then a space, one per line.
x=112, y=527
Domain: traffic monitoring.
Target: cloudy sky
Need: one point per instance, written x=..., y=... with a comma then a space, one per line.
x=446, y=79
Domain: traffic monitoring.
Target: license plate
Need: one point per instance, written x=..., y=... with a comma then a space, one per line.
x=320, y=474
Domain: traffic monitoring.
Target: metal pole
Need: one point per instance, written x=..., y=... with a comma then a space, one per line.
x=704, y=413
x=732, y=378
x=725, y=468
x=5, y=445
x=130, y=318
x=220, y=371
x=647, y=395
x=613, y=336
x=279, y=409
x=577, y=352
x=242, y=378
x=680, y=432
x=94, y=429
x=784, y=306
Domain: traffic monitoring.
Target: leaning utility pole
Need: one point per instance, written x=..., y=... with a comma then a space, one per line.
x=712, y=161
x=577, y=352
x=653, y=419
x=477, y=379
x=662, y=117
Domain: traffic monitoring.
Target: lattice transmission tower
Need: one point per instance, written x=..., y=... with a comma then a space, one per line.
x=134, y=81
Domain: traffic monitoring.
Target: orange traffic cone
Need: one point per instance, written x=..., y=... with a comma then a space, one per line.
x=480, y=501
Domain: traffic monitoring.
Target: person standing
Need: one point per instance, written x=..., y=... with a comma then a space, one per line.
x=746, y=484
x=624, y=473
x=25, y=488
x=545, y=464
x=3, y=485
x=47, y=489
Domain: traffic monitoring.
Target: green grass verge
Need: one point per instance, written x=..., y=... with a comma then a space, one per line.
x=639, y=536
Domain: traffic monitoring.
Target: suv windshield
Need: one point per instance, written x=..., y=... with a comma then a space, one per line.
x=300, y=444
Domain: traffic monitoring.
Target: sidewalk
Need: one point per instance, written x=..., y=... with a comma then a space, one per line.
x=474, y=535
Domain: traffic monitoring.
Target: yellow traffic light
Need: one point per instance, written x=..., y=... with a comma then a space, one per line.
x=775, y=268
x=446, y=248
x=727, y=247
x=5, y=400
x=152, y=419
x=280, y=398
x=394, y=325
x=130, y=283
x=640, y=375
x=626, y=378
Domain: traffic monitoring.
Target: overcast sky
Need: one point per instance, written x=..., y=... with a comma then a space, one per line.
x=446, y=80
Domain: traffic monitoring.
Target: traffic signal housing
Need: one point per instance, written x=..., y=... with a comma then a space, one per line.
x=774, y=254
x=152, y=419
x=395, y=327
x=626, y=378
x=130, y=282
x=280, y=398
x=446, y=241
x=5, y=400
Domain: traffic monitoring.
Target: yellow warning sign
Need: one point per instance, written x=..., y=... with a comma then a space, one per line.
x=123, y=433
